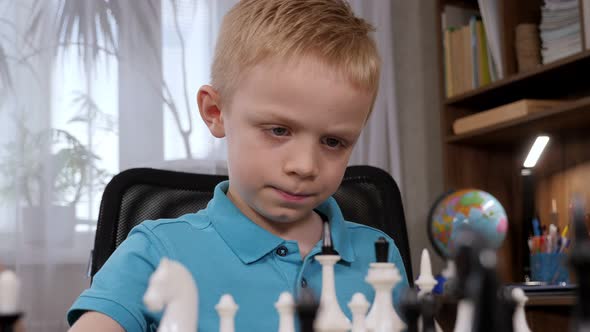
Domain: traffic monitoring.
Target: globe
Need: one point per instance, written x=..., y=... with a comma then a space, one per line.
x=472, y=208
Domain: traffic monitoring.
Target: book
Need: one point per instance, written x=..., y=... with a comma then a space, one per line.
x=482, y=55
x=448, y=55
x=586, y=22
x=490, y=13
x=473, y=55
x=502, y=113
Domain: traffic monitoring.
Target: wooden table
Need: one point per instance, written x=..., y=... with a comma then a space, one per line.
x=544, y=312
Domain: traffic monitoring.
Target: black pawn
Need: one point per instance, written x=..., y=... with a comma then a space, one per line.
x=428, y=311
x=410, y=309
x=306, y=308
x=580, y=260
x=484, y=287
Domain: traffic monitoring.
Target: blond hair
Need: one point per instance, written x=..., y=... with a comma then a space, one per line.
x=328, y=30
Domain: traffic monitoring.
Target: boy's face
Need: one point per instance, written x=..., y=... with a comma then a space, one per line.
x=290, y=130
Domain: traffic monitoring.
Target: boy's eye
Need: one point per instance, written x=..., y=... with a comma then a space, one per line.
x=279, y=131
x=332, y=142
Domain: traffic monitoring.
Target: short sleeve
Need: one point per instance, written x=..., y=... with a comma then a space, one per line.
x=118, y=287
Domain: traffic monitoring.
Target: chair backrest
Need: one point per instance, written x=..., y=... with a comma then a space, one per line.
x=367, y=195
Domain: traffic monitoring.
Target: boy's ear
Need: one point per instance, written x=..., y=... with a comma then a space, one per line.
x=209, y=103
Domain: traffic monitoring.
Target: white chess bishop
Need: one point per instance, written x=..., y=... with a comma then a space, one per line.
x=426, y=282
x=330, y=316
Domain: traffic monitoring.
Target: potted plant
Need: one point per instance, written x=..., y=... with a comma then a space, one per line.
x=47, y=192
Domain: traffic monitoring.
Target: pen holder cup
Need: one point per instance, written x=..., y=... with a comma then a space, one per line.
x=550, y=268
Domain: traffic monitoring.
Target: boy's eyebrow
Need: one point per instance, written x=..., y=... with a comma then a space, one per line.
x=265, y=115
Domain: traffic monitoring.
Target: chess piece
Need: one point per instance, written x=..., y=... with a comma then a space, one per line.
x=410, y=309
x=306, y=309
x=492, y=312
x=519, y=318
x=330, y=316
x=580, y=261
x=426, y=280
x=506, y=310
x=443, y=280
x=9, y=293
x=466, y=258
x=358, y=306
x=428, y=310
x=286, y=308
x=464, y=319
x=226, y=308
x=172, y=288
x=383, y=276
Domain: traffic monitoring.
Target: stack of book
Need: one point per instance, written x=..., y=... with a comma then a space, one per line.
x=560, y=29
x=467, y=60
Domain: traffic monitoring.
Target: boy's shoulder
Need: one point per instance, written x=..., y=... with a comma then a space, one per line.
x=361, y=233
x=192, y=221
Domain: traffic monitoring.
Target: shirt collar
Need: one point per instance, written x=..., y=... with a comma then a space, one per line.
x=233, y=227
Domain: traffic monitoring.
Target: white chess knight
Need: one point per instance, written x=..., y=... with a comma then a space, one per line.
x=519, y=318
x=9, y=293
x=173, y=289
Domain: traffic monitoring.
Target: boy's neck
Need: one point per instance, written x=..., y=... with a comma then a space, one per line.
x=307, y=231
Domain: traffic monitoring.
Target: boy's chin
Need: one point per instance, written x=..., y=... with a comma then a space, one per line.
x=288, y=218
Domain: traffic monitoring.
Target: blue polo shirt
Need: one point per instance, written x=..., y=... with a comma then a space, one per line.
x=228, y=253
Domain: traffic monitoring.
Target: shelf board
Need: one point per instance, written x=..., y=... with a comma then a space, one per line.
x=563, y=299
x=470, y=4
x=573, y=116
x=553, y=80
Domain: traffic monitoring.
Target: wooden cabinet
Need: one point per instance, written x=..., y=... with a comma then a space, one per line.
x=491, y=158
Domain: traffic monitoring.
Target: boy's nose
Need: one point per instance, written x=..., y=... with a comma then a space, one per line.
x=302, y=161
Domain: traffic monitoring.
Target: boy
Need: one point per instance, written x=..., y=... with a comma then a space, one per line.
x=293, y=83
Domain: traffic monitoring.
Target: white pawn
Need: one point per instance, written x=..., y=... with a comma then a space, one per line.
x=226, y=308
x=426, y=280
x=519, y=318
x=358, y=306
x=286, y=309
x=9, y=293
x=330, y=316
x=465, y=311
x=382, y=316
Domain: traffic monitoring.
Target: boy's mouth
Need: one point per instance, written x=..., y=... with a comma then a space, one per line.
x=290, y=196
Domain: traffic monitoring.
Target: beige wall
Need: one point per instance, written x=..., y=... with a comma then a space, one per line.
x=418, y=95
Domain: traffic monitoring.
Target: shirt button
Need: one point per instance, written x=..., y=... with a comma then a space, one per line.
x=282, y=251
x=303, y=283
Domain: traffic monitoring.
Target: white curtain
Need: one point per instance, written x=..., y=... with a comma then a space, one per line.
x=77, y=107
x=379, y=143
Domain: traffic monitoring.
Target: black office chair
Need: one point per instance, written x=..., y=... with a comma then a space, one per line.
x=367, y=195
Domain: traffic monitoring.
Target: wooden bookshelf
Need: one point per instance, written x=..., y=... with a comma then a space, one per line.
x=491, y=158
x=571, y=117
